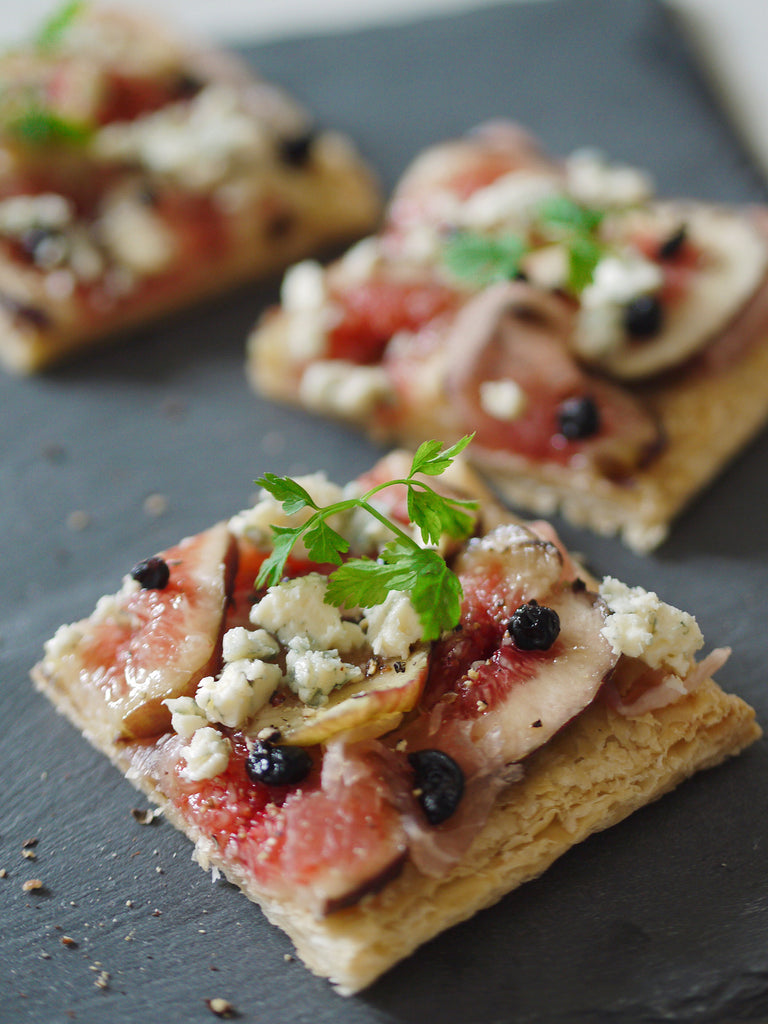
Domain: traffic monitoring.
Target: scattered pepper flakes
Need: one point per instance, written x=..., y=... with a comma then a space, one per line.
x=145, y=816
x=3, y=873
x=29, y=843
x=32, y=885
x=155, y=504
x=78, y=520
x=67, y=940
x=54, y=452
x=102, y=981
x=29, y=854
x=221, y=1007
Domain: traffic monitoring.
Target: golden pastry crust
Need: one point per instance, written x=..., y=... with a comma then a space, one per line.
x=594, y=773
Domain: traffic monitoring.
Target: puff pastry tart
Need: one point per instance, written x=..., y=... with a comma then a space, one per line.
x=608, y=349
x=371, y=771
x=140, y=172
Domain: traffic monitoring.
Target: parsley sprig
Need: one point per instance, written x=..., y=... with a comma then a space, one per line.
x=38, y=126
x=576, y=226
x=483, y=259
x=403, y=564
x=52, y=30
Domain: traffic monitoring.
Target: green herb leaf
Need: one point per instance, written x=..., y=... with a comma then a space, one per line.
x=436, y=596
x=583, y=256
x=273, y=568
x=361, y=581
x=403, y=564
x=51, y=31
x=293, y=496
x=564, y=214
x=433, y=460
x=40, y=127
x=482, y=260
x=324, y=544
x=435, y=518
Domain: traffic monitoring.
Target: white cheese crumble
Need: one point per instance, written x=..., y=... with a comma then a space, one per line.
x=502, y=399
x=393, y=626
x=64, y=641
x=198, y=143
x=206, y=755
x=237, y=693
x=313, y=674
x=511, y=200
x=239, y=643
x=343, y=388
x=186, y=715
x=136, y=236
x=595, y=182
x=46, y=210
x=360, y=261
x=296, y=608
x=642, y=626
x=617, y=280
x=303, y=288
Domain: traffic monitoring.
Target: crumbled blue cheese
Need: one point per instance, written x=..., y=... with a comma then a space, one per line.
x=642, y=626
x=341, y=388
x=511, y=200
x=304, y=295
x=242, y=687
x=617, y=280
x=64, y=641
x=312, y=674
x=206, y=755
x=136, y=237
x=303, y=288
x=393, y=626
x=296, y=608
x=198, y=143
x=18, y=214
x=595, y=182
x=239, y=643
x=502, y=399
x=360, y=260
x=186, y=715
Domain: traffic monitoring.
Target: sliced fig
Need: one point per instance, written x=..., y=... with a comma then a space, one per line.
x=728, y=259
x=519, y=699
x=154, y=644
x=514, y=332
x=511, y=563
x=368, y=708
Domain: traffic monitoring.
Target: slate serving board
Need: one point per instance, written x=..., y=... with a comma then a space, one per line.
x=665, y=917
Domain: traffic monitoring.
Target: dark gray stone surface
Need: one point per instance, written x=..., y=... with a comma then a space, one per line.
x=665, y=917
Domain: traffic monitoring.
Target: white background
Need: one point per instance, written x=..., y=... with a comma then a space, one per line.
x=730, y=35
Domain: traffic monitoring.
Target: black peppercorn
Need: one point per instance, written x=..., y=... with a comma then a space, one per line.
x=439, y=783
x=295, y=150
x=277, y=765
x=644, y=316
x=534, y=627
x=672, y=245
x=578, y=418
x=153, y=573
